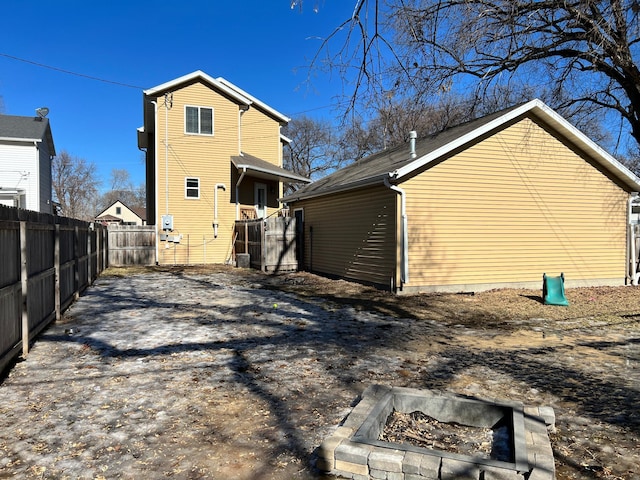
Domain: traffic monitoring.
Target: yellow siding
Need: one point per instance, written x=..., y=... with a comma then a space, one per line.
x=207, y=158
x=261, y=136
x=352, y=235
x=510, y=208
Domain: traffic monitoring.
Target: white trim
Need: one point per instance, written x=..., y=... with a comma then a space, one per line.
x=186, y=188
x=291, y=176
x=553, y=118
x=254, y=100
x=199, y=133
x=198, y=74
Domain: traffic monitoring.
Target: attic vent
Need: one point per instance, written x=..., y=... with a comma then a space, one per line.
x=412, y=143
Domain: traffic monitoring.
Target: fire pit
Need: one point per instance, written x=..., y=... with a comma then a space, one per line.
x=409, y=434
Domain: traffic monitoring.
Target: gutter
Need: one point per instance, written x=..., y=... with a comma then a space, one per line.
x=404, y=260
x=631, y=245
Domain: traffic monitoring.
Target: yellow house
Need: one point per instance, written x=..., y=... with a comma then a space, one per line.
x=213, y=156
x=492, y=203
x=121, y=214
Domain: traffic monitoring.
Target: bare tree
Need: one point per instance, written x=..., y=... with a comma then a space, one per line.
x=123, y=189
x=312, y=152
x=578, y=55
x=75, y=185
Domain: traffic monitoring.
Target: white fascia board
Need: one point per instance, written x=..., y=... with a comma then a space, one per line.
x=262, y=105
x=285, y=139
x=275, y=173
x=586, y=143
x=460, y=141
x=199, y=74
x=22, y=140
x=551, y=117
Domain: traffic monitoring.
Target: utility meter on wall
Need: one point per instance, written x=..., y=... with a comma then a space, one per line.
x=167, y=222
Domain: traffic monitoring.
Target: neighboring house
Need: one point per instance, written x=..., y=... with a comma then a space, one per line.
x=213, y=156
x=26, y=150
x=119, y=213
x=492, y=203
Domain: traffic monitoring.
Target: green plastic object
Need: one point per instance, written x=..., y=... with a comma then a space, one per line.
x=553, y=290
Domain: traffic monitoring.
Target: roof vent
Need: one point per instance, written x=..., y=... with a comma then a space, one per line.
x=412, y=143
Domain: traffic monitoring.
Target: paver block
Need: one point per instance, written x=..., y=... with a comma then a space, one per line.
x=350, y=452
x=351, y=468
x=451, y=469
x=389, y=461
x=377, y=474
x=395, y=476
x=430, y=467
x=411, y=463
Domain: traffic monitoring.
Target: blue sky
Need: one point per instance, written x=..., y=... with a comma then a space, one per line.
x=263, y=46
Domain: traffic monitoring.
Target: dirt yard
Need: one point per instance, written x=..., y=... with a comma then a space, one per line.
x=225, y=373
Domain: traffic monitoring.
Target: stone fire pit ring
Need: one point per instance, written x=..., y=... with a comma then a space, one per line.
x=355, y=450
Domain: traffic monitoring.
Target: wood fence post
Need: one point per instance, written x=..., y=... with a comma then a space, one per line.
x=98, y=269
x=89, y=259
x=56, y=266
x=24, y=279
x=263, y=246
x=76, y=269
x=246, y=237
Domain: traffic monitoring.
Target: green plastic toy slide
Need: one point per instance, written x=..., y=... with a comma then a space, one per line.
x=553, y=290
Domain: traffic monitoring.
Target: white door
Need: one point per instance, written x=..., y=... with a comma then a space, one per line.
x=260, y=195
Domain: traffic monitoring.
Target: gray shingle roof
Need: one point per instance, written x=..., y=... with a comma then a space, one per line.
x=396, y=164
x=257, y=166
x=27, y=128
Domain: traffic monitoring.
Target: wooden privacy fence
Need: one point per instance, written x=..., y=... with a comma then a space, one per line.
x=634, y=253
x=270, y=243
x=45, y=263
x=132, y=245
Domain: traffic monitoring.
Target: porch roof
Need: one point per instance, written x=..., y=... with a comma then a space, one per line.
x=259, y=168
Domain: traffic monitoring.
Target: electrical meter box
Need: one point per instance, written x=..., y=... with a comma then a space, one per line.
x=167, y=222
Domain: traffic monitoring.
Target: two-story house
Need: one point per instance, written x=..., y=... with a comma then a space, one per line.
x=214, y=155
x=26, y=150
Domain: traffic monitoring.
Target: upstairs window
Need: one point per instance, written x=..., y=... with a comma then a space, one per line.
x=192, y=187
x=198, y=120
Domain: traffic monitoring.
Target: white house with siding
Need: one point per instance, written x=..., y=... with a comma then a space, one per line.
x=26, y=151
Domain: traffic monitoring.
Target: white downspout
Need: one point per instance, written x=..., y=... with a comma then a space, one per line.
x=404, y=265
x=215, y=208
x=155, y=161
x=633, y=254
x=244, y=170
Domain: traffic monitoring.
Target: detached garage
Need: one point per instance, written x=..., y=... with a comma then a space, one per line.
x=492, y=203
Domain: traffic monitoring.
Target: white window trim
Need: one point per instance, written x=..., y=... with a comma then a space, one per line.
x=199, y=125
x=186, y=188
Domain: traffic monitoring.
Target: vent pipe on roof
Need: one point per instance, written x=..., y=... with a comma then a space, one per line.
x=412, y=143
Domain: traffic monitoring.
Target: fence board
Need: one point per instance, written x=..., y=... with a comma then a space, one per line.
x=36, y=252
x=270, y=243
x=132, y=245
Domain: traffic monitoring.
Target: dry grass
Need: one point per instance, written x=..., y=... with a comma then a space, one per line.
x=503, y=308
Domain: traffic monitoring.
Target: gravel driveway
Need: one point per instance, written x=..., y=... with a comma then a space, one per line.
x=188, y=375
